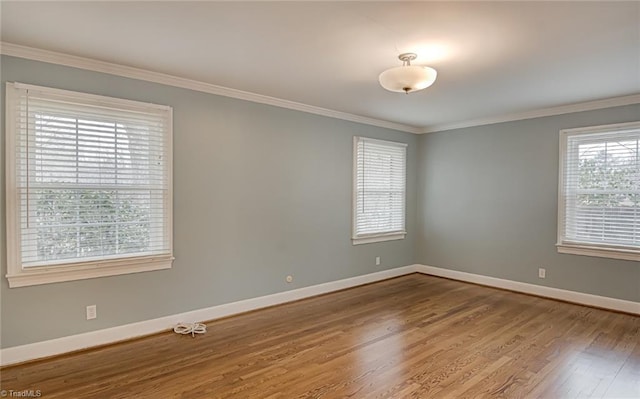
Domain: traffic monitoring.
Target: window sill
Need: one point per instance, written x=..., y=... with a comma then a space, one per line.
x=80, y=271
x=378, y=238
x=612, y=253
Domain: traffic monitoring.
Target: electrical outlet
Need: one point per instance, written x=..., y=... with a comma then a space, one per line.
x=92, y=312
x=289, y=279
x=542, y=273
x=377, y=261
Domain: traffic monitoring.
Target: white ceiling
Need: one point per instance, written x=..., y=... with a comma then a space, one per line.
x=492, y=58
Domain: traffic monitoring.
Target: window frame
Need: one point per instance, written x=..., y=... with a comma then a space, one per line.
x=76, y=268
x=356, y=238
x=573, y=247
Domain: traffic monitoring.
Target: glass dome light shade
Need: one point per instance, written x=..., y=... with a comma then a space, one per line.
x=405, y=79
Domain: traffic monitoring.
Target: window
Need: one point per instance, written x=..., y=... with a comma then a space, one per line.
x=379, y=190
x=88, y=186
x=599, y=195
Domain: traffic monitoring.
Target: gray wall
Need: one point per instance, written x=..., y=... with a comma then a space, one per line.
x=487, y=201
x=262, y=192
x=259, y=193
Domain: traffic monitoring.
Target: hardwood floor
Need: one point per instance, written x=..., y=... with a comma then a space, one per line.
x=411, y=337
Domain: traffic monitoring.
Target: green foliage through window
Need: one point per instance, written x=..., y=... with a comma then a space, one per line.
x=85, y=223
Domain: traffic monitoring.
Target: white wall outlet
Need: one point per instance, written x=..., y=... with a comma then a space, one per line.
x=92, y=312
x=377, y=261
x=289, y=279
x=542, y=273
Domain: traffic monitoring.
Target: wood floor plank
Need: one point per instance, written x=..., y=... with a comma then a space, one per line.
x=411, y=337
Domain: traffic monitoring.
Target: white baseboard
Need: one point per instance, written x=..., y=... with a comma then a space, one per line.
x=539, y=290
x=23, y=353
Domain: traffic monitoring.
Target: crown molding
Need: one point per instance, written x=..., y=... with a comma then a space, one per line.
x=563, y=109
x=52, y=57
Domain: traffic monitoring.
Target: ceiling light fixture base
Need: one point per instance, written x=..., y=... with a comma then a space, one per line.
x=406, y=58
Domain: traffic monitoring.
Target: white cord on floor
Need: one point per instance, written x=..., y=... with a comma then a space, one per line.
x=190, y=328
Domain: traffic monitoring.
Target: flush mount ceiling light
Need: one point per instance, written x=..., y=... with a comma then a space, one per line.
x=407, y=78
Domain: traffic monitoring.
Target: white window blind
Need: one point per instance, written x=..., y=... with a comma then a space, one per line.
x=379, y=190
x=600, y=190
x=90, y=178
